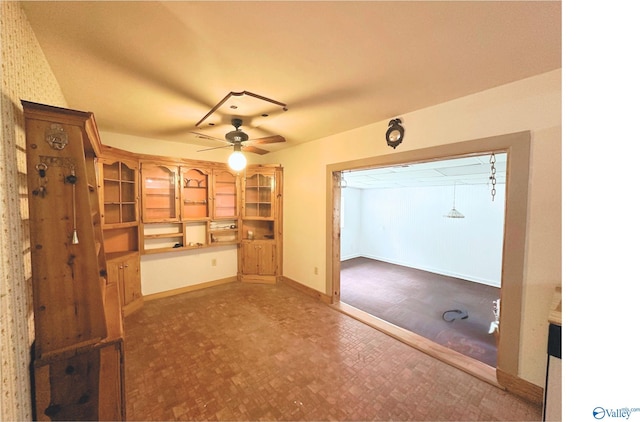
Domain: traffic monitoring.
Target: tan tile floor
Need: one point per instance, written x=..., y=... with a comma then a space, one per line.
x=262, y=352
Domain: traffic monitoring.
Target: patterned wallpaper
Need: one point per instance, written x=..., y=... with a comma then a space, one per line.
x=25, y=75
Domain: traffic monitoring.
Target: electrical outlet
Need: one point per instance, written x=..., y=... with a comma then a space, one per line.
x=214, y=262
x=315, y=270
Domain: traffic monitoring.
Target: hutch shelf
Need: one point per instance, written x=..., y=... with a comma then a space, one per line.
x=208, y=208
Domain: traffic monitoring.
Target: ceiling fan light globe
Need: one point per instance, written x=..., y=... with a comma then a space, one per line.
x=237, y=161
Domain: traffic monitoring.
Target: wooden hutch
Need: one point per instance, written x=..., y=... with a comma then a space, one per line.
x=78, y=365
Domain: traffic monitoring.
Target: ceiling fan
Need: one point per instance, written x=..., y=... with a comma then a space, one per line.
x=237, y=137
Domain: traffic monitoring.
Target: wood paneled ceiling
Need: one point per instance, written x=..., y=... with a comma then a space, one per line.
x=154, y=69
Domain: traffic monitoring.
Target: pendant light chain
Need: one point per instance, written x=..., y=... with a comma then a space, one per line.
x=343, y=181
x=492, y=178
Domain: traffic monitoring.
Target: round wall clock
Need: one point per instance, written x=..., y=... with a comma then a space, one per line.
x=395, y=133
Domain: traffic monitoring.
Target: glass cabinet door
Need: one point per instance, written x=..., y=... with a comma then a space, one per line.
x=119, y=187
x=259, y=191
x=196, y=195
x=159, y=193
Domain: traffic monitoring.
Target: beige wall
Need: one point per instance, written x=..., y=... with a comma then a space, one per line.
x=25, y=75
x=533, y=105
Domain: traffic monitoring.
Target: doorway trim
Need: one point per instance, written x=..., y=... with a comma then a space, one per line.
x=518, y=148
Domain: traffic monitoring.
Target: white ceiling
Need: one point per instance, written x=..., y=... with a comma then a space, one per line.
x=154, y=69
x=461, y=171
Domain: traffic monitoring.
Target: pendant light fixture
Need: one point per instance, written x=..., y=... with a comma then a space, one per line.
x=454, y=213
x=237, y=161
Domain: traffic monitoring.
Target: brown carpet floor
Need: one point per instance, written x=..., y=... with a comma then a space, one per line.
x=417, y=301
x=268, y=352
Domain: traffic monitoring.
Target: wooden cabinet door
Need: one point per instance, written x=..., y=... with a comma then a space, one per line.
x=126, y=272
x=87, y=386
x=258, y=258
x=250, y=258
x=130, y=275
x=267, y=258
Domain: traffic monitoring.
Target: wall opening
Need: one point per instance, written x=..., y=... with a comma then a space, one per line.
x=517, y=147
x=421, y=248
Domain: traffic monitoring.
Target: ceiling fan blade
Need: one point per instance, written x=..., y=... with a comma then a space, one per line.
x=255, y=150
x=209, y=149
x=269, y=140
x=203, y=136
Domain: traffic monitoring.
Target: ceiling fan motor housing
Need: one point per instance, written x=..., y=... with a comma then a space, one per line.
x=236, y=136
